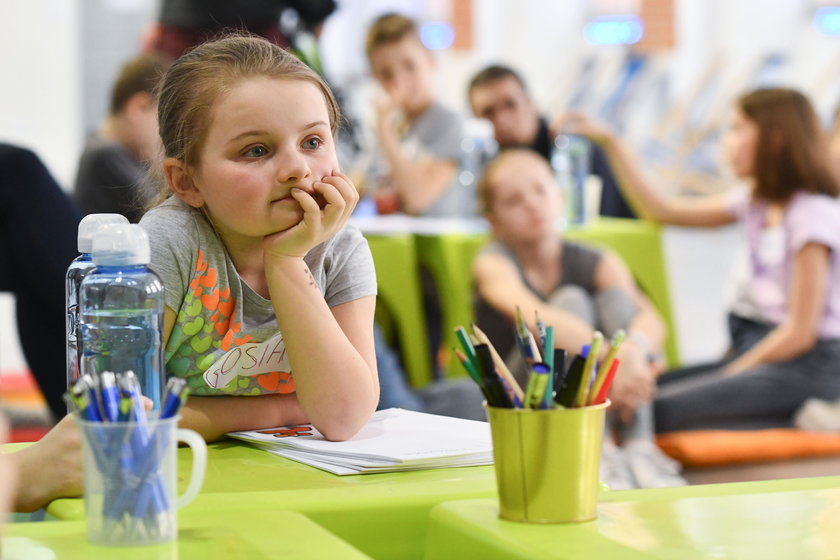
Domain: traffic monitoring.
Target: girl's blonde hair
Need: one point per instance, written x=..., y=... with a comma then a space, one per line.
x=792, y=152
x=194, y=83
x=484, y=186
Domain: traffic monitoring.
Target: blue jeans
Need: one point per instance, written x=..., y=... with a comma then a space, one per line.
x=766, y=396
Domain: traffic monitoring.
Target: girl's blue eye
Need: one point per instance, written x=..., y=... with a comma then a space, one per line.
x=255, y=151
x=312, y=143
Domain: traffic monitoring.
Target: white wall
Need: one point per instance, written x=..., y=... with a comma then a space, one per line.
x=39, y=104
x=43, y=41
x=52, y=90
x=41, y=68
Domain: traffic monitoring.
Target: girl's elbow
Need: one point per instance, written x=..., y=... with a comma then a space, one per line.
x=339, y=433
x=342, y=430
x=803, y=341
x=341, y=427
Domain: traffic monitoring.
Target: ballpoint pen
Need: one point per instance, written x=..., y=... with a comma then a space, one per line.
x=535, y=396
x=607, y=364
x=110, y=396
x=174, y=396
x=591, y=359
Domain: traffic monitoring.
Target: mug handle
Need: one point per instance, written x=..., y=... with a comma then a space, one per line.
x=199, y=453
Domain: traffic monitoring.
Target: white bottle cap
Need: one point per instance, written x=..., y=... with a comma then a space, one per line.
x=91, y=223
x=121, y=245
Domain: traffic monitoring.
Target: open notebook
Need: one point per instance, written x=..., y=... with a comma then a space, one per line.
x=393, y=440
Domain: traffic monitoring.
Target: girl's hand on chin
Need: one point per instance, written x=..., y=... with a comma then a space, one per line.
x=324, y=213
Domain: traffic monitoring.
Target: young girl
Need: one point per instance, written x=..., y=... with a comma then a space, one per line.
x=268, y=294
x=576, y=289
x=785, y=320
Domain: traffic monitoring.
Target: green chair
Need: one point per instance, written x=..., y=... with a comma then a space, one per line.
x=639, y=244
x=400, y=302
x=449, y=257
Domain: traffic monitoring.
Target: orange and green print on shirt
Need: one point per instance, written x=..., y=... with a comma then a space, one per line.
x=209, y=349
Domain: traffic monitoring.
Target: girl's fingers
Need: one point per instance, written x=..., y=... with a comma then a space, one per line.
x=307, y=201
x=347, y=189
x=344, y=185
x=335, y=202
x=329, y=191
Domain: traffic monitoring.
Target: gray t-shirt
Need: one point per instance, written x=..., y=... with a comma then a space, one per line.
x=436, y=134
x=226, y=339
x=110, y=180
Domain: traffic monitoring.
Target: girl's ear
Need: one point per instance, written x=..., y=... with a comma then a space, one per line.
x=181, y=183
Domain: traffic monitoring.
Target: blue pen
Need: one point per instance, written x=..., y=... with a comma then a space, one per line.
x=84, y=399
x=174, y=396
x=110, y=396
x=91, y=385
x=126, y=403
x=148, y=497
x=131, y=386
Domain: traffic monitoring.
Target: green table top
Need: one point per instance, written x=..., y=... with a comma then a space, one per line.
x=385, y=515
x=201, y=535
x=782, y=519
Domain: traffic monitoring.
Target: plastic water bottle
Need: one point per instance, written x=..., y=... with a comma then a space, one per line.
x=121, y=316
x=570, y=161
x=478, y=147
x=76, y=272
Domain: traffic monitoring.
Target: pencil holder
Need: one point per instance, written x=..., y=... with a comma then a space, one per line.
x=547, y=462
x=130, y=472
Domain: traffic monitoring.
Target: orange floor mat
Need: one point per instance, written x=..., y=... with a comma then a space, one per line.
x=24, y=406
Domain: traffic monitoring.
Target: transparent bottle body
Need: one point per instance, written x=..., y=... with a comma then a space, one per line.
x=570, y=161
x=121, y=319
x=76, y=272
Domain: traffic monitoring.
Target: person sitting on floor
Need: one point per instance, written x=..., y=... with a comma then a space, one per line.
x=785, y=319
x=576, y=289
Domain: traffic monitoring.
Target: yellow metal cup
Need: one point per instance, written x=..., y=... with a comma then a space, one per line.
x=547, y=462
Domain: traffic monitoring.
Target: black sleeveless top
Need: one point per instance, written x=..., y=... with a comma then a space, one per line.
x=577, y=268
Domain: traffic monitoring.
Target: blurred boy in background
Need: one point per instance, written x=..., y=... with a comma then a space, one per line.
x=498, y=94
x=112, y=169
x=419, y=138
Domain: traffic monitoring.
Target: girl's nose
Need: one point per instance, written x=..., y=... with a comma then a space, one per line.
x=292, y=166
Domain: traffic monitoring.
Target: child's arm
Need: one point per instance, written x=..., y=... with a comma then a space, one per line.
x=500, y=284
x=645, y=198
x=418, y=183
x=807, y=301
x=635, y=380
x=50, y=468
x=331, y=351
x=611, y=272
x=213, y=417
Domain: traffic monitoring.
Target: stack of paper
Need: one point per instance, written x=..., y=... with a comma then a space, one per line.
x=393, y=440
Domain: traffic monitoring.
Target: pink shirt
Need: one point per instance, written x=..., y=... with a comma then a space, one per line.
x=809, y=218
